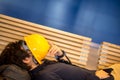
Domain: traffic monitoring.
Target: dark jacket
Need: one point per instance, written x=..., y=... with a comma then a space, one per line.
x=61, y=71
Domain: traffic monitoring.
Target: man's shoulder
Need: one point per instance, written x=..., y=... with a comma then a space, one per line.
x=14, y=72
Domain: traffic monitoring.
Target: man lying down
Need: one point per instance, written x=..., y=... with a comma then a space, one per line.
x=29, y=54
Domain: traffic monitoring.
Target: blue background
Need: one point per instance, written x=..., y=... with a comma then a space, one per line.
x=97, y=19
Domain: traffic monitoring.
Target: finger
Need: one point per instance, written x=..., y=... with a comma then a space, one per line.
x=53, y=50
x=50, y=42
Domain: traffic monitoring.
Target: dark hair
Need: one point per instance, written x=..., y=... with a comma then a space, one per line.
x=14, y=54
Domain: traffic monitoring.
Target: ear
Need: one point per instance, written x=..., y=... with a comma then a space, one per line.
x=26, y=60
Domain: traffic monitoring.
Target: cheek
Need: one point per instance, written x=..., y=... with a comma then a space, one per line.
x=21, y=48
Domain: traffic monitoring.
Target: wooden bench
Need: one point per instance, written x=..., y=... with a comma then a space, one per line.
x=76, y=46
x=109, y=54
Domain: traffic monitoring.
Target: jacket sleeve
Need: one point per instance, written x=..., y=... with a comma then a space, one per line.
x=47, y=76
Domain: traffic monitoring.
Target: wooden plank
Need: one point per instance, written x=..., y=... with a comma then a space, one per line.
x=14, y=36
x=110, y=53
x=112, y=45
x=114, y=58
x=111, y=49
x=2, y=38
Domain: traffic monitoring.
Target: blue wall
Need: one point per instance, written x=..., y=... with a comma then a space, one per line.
x=98, y=19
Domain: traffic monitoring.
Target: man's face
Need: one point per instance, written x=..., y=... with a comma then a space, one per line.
x=28, y=60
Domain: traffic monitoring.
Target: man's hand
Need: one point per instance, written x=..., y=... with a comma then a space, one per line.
x=102, y=74
x=54, y=50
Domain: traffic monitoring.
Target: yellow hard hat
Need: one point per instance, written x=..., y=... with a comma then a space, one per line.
x=38, y=45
